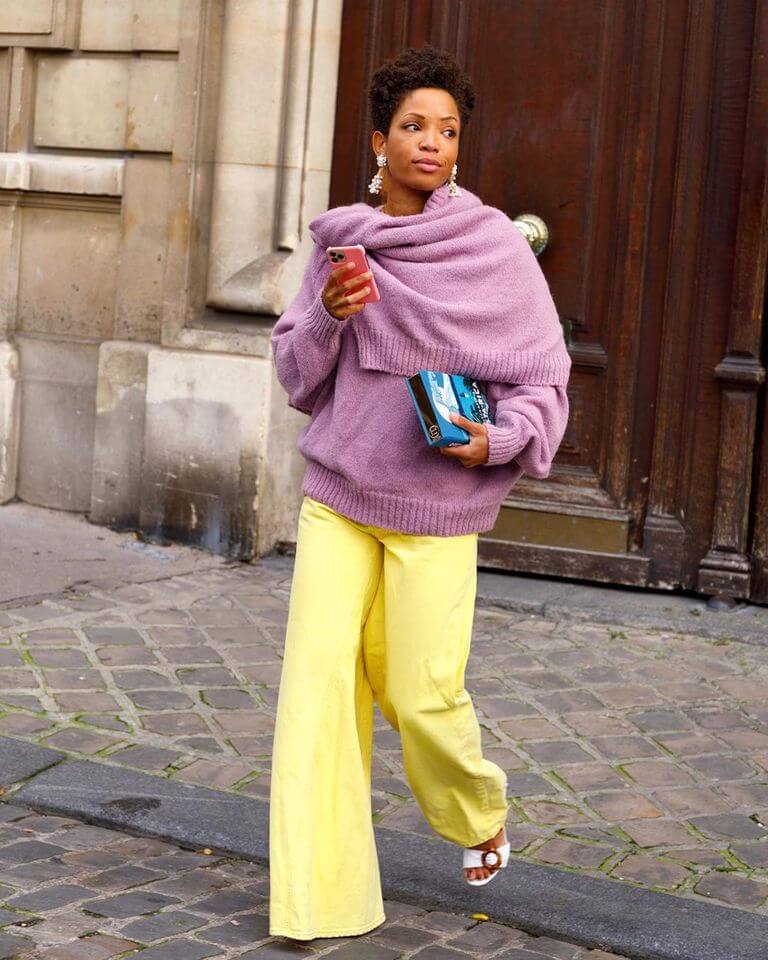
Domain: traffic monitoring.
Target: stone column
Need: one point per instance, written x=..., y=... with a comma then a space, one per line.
x=9, y=420
x=255, y=171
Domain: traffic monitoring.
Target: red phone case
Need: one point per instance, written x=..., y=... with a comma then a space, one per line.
x=338, y=255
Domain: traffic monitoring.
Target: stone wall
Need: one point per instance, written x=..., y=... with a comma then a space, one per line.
x=159, y=162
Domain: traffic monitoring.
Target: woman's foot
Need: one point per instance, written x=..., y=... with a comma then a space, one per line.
x=480, y=873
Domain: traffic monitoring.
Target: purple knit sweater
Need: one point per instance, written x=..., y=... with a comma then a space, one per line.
x=366, y=454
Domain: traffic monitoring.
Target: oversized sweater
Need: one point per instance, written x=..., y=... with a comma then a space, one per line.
x=366, y=454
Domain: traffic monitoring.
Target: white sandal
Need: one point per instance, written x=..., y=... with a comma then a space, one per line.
x=477, y=858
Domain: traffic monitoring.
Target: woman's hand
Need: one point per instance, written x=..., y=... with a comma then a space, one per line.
x=336, y=298
x=473, y=453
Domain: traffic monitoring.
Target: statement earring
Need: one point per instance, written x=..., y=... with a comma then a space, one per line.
x=375, y=185
x=453, y=187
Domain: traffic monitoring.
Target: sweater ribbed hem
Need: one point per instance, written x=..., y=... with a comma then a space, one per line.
x=380, y=351
x=504, y=443
x=404, y=514
x=323, y=325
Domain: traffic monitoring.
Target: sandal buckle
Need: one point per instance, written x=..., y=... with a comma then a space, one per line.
x=497, y=861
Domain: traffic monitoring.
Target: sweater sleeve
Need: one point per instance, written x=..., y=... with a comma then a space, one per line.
x=530, y=423
x=306, y=339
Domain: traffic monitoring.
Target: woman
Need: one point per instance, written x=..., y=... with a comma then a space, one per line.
x=383, y=591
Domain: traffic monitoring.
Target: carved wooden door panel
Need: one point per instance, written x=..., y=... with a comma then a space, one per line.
x=623, y=125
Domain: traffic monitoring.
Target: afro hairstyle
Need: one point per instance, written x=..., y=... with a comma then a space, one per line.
x=411, y=69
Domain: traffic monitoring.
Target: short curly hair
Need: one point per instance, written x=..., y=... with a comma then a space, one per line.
x=411, y=69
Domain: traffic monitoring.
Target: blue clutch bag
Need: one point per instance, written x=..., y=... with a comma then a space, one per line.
x=436, y=395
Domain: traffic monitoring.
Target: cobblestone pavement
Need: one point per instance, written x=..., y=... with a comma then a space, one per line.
x=72, y=891
x=637, y=755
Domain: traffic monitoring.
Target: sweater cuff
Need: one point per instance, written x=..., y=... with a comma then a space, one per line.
x=323, y=325
x=504, y=443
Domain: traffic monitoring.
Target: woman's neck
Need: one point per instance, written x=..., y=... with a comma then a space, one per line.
x=400, y=209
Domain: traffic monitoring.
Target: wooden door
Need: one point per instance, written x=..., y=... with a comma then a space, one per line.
x=636, y=130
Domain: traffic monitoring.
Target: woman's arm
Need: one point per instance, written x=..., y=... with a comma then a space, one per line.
x=530, y=423
x=306, y=338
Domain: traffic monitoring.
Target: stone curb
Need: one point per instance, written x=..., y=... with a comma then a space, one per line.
x=571, y=601
x=108, y=583
x=548, y=597
x=544, y=901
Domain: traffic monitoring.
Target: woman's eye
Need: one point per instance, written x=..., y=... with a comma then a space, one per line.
x=414, y=124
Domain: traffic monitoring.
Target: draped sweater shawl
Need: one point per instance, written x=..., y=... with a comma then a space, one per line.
x=461, y=292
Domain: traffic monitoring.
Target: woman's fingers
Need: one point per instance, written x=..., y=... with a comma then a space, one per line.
x=353, y=281
x=471, y=426
x=336, y=290
x=338, y=272
x=354, y=297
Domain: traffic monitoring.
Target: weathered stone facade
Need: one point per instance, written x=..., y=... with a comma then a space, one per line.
x=159, y=162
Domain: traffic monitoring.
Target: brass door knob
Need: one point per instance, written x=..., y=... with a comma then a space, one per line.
x=533, y=229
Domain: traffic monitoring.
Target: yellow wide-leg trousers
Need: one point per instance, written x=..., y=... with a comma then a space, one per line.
x=380, y=616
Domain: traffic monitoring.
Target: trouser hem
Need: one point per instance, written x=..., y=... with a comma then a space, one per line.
x=325, y=932
x=484, y=835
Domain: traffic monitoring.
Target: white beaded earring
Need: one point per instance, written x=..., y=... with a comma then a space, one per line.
x=375, y=185
x=453, y=187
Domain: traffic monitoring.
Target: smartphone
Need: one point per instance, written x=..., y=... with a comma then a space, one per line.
x=338, y=255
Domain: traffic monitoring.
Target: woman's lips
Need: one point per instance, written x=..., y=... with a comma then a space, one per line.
x=426, y=165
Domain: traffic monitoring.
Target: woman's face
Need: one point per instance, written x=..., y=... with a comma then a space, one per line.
x=426, y=126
